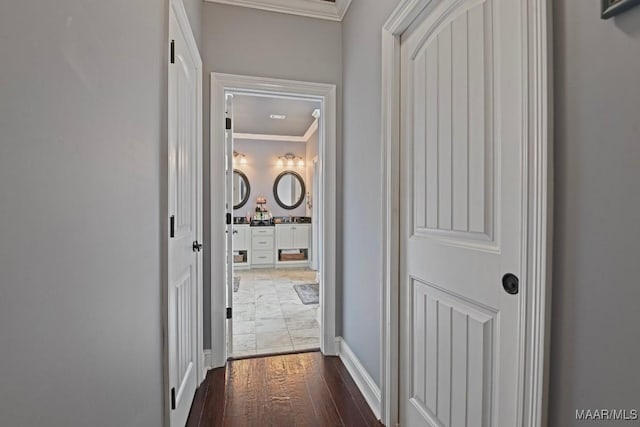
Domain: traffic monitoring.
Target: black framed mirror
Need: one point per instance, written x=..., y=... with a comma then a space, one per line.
x=289, y=189
x=241, y=189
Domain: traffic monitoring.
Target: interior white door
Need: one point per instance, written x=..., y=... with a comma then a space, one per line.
x=183, y=250
x=462, y=221
x=228, y=197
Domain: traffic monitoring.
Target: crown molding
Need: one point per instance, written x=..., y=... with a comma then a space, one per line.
x=311, y=130
x=264, y=137
x=332, y=11
x=289, y=138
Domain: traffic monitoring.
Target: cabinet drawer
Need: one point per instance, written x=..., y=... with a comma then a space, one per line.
x=262, y=242
x=262, y=231
x=262, y=257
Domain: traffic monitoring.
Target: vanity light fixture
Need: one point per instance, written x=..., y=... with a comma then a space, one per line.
x=242, y=158
x=290, y=159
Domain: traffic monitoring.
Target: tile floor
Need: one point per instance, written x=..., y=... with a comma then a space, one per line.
x=268, y=316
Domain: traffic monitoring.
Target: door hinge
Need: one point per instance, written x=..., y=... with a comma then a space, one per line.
x=227, y=123
x=172, y=226
x=229, y=313
x=173, y=51
x=173, y=398
x=228, y=218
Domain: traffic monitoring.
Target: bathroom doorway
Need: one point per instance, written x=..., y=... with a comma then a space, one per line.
x=274, y=292
x=278, y=148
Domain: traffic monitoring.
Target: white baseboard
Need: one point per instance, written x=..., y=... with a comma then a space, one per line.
x=208, y=359
x=361, y=377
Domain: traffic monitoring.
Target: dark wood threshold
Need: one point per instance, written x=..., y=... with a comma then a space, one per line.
x=280, y=353
x=304, y=389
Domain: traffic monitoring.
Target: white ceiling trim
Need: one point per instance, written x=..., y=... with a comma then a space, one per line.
x=261, y=137
x=311, y=130
x=287, y=138
x=311, y=8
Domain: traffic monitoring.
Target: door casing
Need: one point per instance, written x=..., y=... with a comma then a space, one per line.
x=537, y=212
x=326, y=93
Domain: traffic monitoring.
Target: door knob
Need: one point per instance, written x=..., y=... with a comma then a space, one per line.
x=235, y=231
x=197, y=247
x=511, y=283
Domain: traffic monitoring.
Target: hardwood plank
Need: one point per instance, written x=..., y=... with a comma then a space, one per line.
x=245, y=390
x=323, y=405
x=306, y=390
x=358, y=398
x=214, y=403
x=197, y=407
x=347, y=408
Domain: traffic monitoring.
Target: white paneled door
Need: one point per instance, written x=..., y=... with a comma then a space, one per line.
x=228, y=197
x=462, y=225
x=184, y=249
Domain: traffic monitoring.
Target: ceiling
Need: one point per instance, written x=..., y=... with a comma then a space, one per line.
x=251, y=114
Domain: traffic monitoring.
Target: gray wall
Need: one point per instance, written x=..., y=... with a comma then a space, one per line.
x=362, y=198
x=239, y=40
x=262, y=170
x=595, y=348
x=82, y=120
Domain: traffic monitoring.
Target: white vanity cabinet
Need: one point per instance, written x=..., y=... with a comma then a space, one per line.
x=262, y=254
x=241, y=245
x=292, y=245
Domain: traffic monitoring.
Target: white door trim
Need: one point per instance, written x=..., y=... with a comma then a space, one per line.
x=177, y=9
x=537, y=241
x=326, y=93
x=332, y=11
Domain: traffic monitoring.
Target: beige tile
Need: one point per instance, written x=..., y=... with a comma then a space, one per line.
x=300, y=334
x=305, y=338
x=269, y=311
x=304, y=315
x=245, y=308
x=304, y=323
x=266, y=299
x=241, y=327
x=244, y=353
x=244, y=312
x=276, y=350
x=270, y=325
x=291, y=307
x=244, y=343
x=307, y=345
x=273, y=340
x=268, y=306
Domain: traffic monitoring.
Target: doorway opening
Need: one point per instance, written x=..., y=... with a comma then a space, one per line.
x=273, y=287
x=273, y=168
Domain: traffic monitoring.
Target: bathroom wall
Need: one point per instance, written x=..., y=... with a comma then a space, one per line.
x=311, y=148
x=262, y=169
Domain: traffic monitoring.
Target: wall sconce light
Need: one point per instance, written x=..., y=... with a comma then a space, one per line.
x=290, y=159
x=239, y=157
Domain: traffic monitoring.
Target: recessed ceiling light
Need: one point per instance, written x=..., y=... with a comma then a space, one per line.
x=278, y=116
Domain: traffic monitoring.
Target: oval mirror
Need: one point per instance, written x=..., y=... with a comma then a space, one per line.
x=241, y=189
x=288, y=189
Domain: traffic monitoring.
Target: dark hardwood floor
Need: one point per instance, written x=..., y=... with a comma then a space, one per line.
x=306, y=389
